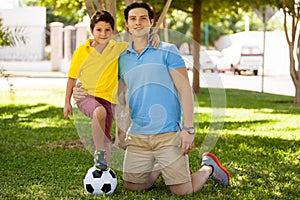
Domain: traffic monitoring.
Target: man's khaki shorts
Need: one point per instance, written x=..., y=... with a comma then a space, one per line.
x=143, y=151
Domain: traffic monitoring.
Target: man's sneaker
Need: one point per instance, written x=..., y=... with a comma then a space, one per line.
x=219, y=173
x=99, y=160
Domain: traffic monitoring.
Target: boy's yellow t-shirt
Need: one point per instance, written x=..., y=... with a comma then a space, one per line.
x=98, y=72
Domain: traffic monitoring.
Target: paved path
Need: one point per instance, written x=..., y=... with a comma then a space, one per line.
x=24, y=74
x=275, y=84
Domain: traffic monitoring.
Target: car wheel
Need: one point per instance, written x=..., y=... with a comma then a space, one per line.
x=237, y=72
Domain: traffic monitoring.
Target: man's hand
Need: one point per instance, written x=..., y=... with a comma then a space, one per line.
x=79, y=92
x=186, y=142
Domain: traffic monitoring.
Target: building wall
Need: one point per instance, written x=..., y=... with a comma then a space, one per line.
x=33, y=22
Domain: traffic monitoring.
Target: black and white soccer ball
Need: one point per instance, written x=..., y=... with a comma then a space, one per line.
x=100, y=182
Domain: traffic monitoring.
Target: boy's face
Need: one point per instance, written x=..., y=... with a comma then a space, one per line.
x=138, y=22
x=102, y=32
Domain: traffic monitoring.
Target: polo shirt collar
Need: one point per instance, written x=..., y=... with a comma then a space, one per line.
x=88, y=43
x=130, y=48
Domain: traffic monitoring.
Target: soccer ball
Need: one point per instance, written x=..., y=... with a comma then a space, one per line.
x=100, y=182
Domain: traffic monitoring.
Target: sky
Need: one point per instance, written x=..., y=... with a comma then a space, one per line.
x=6, y=4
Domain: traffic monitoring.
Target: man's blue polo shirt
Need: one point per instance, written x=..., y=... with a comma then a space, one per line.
x=153, y=99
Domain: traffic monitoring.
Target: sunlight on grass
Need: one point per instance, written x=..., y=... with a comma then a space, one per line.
x=45, y=158
x=254, y=122
x=50, y=95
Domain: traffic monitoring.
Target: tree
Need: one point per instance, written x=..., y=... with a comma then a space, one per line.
x=68, y=12
x=10, y=38
x=200, y=10
x=292, y=8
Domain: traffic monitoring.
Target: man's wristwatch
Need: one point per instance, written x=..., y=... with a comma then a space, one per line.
x=189, y=130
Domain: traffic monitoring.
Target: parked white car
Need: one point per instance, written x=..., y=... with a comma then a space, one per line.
x=251, y=59
x=209, y=60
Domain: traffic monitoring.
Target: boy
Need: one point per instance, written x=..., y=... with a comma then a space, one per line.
x=96, y=64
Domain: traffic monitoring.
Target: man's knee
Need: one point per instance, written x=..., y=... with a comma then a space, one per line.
x=181, y=189
x=134, y=186
x=130, y=186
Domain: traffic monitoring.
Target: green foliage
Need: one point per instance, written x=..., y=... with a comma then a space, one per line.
x=44, y=159
x=223, y=17
x=10, y=37
x=181, y=22
x=67, y=12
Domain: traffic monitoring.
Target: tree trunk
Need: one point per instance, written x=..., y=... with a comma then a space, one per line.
x=196, y=44
x=297, y=94
x=93, y=5
x=111, y=7
x=295, y=74
x=89, y=7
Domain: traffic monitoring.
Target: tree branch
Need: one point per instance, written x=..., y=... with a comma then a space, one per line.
x=184, y=10
x=162, y=15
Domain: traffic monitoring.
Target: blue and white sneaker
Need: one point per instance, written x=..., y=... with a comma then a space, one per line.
x=219, y=173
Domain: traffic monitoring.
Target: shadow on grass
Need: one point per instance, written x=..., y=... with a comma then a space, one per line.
x=233, y=125
x=260, y=167
x=251, y=100
x=38, y=164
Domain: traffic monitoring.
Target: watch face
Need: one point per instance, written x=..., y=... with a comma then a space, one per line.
x=190, y=130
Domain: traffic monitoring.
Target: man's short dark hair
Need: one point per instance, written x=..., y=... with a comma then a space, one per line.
x=139, y=4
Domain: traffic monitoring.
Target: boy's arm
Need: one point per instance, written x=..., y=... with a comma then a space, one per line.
x=69, y=90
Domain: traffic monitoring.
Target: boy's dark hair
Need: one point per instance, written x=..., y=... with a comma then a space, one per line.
x=139, y=4
x=102, y=16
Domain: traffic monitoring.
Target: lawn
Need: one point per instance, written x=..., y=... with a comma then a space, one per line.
x=258, y=141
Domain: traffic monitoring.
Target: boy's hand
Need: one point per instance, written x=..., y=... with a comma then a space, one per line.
x=68, y=110
x=155, y=40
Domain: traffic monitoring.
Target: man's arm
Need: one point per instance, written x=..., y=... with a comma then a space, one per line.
x=122, y=93
x=79, y=92
x=181, y=81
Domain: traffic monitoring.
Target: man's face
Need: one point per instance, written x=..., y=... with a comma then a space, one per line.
x=138, y=22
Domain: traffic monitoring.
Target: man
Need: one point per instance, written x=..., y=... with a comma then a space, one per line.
x=158, y=91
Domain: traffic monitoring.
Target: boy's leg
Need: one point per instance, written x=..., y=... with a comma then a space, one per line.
x=98, y=131
x=92, y=108
x=98, y=127
x=102, y=132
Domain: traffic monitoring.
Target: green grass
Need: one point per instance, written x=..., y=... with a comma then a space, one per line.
x=259, y=143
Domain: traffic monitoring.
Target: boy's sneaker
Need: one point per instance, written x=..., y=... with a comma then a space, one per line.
x=99, y=160
x=219, y=173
